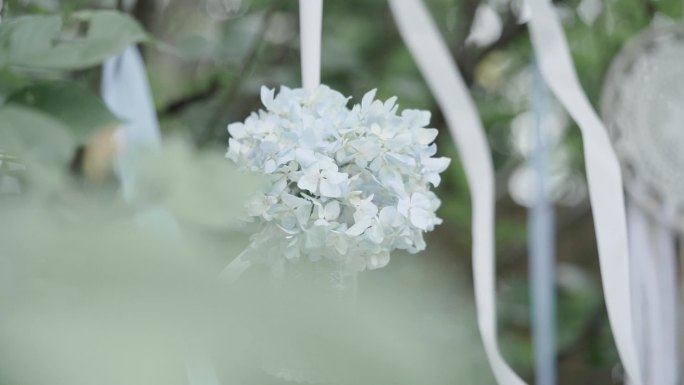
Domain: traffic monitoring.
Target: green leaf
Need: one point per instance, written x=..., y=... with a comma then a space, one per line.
x=10, y=82
x=72, y=104
x=179, y=174
x=82, y=40
x=33, y=135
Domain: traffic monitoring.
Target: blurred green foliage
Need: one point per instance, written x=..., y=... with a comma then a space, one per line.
x=206, y=60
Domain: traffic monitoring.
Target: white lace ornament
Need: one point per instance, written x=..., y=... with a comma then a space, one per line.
x=349, y=185
x=642, y=107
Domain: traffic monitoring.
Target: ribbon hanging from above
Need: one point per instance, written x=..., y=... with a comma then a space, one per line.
x=640, y=105
x=654, y=281
x=441, y=73
x=541, y=242
x=125, y=90
x=310, y=28
x=603, y=176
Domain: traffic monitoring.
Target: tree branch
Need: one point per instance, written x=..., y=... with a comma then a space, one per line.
x=207, y=135
x=144, y=11
x=178, y=105
x=468, y=18
x=469, y=58
x=590, y=329
x=650, y=8
x=564, y=222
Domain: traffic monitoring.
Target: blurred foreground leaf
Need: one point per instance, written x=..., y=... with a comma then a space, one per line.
x=82, y=40
x=203, y=189
x=70, y=103
x=31, y=134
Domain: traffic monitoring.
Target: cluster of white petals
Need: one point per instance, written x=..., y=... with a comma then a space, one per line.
x=346, y=184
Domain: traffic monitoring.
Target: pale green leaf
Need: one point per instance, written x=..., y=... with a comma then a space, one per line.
x=70, y=103
x=31, y=134
x=82, y=40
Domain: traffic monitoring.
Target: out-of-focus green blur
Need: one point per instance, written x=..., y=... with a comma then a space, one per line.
x=96, y=290
x=92, y=294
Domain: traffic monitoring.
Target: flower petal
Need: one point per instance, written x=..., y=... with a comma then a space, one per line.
x=329, y=189
x=389, y=216
x=379, y=260
x=425, y=135
x=358, y=228
x=421, y=219
x=437, y=165
x=368, y=98
x=308, y=182
x=305, y=157
x=331, y=210
x=375, y=233
x=237, y=130
x=267, y=97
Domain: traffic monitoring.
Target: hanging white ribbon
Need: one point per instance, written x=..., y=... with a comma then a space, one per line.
x=441, y=73
x=603, y=176
x=310, y=28
x=200, y=370
x=654, y=288
x=125, y=90
x=541, y=242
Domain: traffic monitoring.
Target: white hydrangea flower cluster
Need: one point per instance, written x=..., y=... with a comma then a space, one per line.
x=347, y=184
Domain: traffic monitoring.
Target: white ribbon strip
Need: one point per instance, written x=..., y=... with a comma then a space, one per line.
x=242, y=262
x=200, y=370
x=437, y=66
x=654, y=287
x=310, y=25
x=125, y=90
x=603, y=176
x=541, y=242
x=236, y=267
x=310, y=28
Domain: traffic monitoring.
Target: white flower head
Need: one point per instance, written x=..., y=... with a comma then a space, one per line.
x=350, y=184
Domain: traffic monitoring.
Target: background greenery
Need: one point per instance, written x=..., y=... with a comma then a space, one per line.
x=206, y=60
